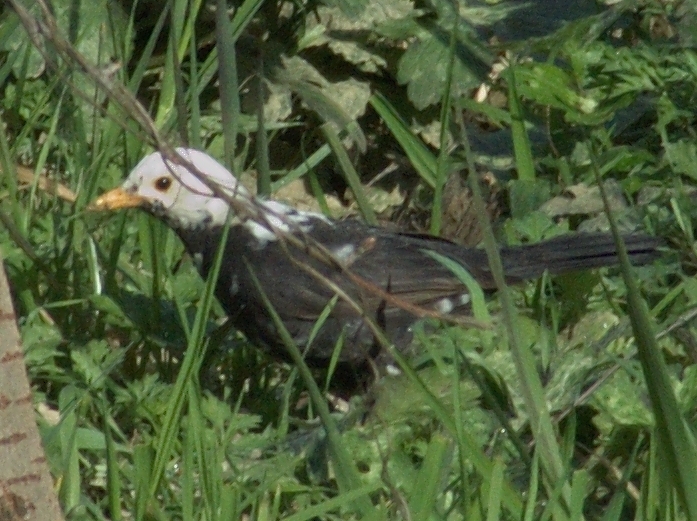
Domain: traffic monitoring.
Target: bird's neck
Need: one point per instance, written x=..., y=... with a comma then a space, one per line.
x=274, y=218
x=200, y=241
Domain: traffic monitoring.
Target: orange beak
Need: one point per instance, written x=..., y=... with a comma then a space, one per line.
x=116, y=199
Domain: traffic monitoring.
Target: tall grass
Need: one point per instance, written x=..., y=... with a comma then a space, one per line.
x=164, y=413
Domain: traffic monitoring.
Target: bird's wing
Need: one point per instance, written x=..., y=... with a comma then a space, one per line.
x=376, y=261
x=368, y=264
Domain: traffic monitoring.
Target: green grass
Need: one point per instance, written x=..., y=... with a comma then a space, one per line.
x=552, y=412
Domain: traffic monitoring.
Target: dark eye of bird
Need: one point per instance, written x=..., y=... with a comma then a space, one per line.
x=163, y=184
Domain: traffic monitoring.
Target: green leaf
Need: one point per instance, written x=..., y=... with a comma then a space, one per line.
x=423, y=67
x=527, y=195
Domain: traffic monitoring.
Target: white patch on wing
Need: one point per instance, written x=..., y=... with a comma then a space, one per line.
x=279, y=217
x=344, y=252
x=464, y=299
x=393, y=370
x=445, y=306
x=261, y=234
x=234, y=285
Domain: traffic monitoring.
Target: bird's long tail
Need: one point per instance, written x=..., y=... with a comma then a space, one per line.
x=575, y=252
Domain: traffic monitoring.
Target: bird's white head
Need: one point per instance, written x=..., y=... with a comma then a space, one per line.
x=173, y=192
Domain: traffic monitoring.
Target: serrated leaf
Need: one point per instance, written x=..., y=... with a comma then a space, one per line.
x=40, y=342
x=83, y=20
x=338, y=103
x=353, y=37
x=88, y=362
x=423, y=67
x=534, y=226
x=528, y=195
x=682, y=156
x=624, y=400
x=113, y=312
x=351, y=8
x=582, y=199
x=549, y=85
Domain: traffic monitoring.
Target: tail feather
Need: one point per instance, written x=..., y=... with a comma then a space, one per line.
x=575, y=252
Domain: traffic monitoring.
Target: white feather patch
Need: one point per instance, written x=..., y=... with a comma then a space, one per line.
x=344, y=252
x=445, y=306
x=281, y=218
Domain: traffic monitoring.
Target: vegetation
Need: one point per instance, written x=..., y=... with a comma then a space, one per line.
x=152, y=409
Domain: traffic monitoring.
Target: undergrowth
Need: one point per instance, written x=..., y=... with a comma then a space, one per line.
x=153, y=409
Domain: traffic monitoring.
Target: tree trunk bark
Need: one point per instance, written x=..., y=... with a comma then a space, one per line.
x=26, y=486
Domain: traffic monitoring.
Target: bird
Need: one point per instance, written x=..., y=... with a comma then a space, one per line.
x=301, y=261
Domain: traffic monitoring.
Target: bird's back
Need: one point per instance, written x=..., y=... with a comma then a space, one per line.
x=386, y=275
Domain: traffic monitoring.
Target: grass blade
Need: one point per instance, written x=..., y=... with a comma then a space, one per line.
x=522, y=149
x=194, y=354
x=676, y=442
x=419, y=155
x=346, y=472
x=350, y=174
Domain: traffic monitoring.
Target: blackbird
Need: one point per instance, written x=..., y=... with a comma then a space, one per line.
x=301, y=260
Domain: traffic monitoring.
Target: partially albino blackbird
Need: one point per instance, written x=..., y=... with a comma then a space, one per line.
x=300, y=260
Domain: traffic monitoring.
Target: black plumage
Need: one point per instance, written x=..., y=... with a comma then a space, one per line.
x=387, y=274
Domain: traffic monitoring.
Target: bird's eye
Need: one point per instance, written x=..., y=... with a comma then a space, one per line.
x=163, y=183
